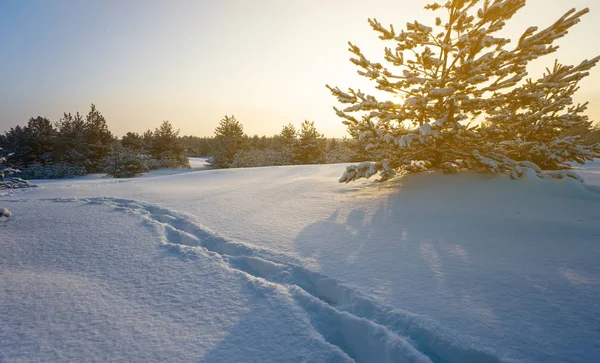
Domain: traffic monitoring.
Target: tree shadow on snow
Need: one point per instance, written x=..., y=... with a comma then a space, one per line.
x=269, y=331
x=474, y=260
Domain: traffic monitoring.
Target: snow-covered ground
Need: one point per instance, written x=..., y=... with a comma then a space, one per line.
x=196, y=164
x=283, y=264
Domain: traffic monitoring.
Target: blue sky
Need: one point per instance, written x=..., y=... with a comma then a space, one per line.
x=192, y=62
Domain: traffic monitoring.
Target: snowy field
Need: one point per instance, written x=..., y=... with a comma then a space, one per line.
x=283, y=264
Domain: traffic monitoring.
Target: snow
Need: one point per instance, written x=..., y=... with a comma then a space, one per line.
x=425, y=129
x=285, y=264
x=196, y=164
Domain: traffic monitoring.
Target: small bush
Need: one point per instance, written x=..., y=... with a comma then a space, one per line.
x=254, y=158
x=51, y=171
x=126, y=163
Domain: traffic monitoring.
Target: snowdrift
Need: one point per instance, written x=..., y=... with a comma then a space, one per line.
x=285, y=264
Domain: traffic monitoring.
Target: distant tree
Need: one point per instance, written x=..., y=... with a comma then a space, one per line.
x=593, y=136
x=167, y=148
x=148, y=138
x=340, y=151
x=133, y=141
x=42, y=138
x=332, y=144
x=256, y=142
x=41, y=150
x=16, y=143
x=96, y=128
x=164, y=138
x=71, y=143
x=286, y=141
x=229, y=140
x=98, y=139
x=310, y=148
x=462, y=100
x=288, y=137
x=33, y=143
x=76, y=145
x=589, y=135
x=197, y=146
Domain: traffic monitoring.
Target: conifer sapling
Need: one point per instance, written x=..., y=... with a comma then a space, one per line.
x=465, y=101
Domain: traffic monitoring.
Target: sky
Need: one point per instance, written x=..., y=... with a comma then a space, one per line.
x=193, y=62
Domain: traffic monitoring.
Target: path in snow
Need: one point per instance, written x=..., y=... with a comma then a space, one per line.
x=80, y=282
x=365, y=330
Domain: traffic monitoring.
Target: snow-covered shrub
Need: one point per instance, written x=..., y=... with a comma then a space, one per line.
x=8, y=180
x=459, y=98
x=125, y=163
x=169, y=159
x=52, y=171
x=255, y=157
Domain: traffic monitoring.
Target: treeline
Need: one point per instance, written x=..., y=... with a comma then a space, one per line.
x=77, y=145
x=232, y=148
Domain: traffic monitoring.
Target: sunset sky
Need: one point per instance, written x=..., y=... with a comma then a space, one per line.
x=192, y=62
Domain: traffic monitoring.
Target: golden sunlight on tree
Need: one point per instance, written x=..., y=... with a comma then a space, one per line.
x=462, y=99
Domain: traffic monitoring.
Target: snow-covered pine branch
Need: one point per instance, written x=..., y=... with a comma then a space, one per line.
x=7, y=178
x=9, y=181
x=462, y=100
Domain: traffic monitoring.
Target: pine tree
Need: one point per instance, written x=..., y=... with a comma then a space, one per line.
x=287, y=140
x=133, y=141
x=42, y=150
x=98, y=139
x=16, y=143
x=42, y=138
x=229, y=140
x=148, y=139
x=339, y=152
x=465, y=102
x=71, y=146
x=164, y=139
x=310, y=148
x=288, y=137
x=167, y=148
x=197, y=146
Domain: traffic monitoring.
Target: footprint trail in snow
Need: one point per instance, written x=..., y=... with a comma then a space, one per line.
x=361, y=328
